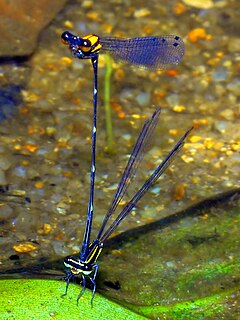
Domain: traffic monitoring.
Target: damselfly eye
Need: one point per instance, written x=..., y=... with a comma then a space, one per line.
x=86, y=43
x=65, y=37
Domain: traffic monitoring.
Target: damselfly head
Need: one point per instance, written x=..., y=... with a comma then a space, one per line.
x=66, y=37
x=82, y=48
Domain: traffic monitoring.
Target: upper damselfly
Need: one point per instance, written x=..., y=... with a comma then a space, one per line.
x=150, y=52
x=86, y=264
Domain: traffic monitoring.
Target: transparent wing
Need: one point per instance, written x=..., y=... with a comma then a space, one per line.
x=145, y=187
x=149, y=52
x=132, y=165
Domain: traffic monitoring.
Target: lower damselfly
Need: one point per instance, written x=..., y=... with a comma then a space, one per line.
x=158, y=52
x=85, y=266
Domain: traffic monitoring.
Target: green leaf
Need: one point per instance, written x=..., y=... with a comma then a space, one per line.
x=42, y=299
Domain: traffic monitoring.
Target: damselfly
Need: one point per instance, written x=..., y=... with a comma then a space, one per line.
x=86, y=264
x=150, y=52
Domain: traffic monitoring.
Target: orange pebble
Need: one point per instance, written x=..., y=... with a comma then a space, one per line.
x=67, y=174
x=199, y=122
x=179, y=192
x=39, y=185
x=75, y=100
x=150, y=165
x=121, y=115
x=148, y=30
x=179, y=8
x=158, y=95
x=116, y=106
x=196, y=34
x=35, y=130
x=119, y=74
x=171, y=73
x=30, y=147
x=24, y=110
x=59, y=236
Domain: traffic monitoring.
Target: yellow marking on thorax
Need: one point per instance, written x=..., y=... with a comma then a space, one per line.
x=76, y=271
x=95, y=254
x=95, y=45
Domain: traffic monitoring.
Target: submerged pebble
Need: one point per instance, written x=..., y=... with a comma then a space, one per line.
x=20, y=171
x=173, y=100
x=220, y=74
x=5, y=212
x=221, y=126
x=143, y=99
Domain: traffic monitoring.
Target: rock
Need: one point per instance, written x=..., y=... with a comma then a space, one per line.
x=21, y=23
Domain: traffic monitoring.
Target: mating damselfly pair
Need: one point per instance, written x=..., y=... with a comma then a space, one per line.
x=149, y=52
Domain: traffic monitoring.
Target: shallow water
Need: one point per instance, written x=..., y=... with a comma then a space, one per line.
x=45, y=145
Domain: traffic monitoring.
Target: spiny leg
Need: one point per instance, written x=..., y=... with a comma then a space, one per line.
x=69, y=276
x=83, y=288
x=94, y=282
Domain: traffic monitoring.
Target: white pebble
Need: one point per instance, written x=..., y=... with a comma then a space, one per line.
x=200, y=4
